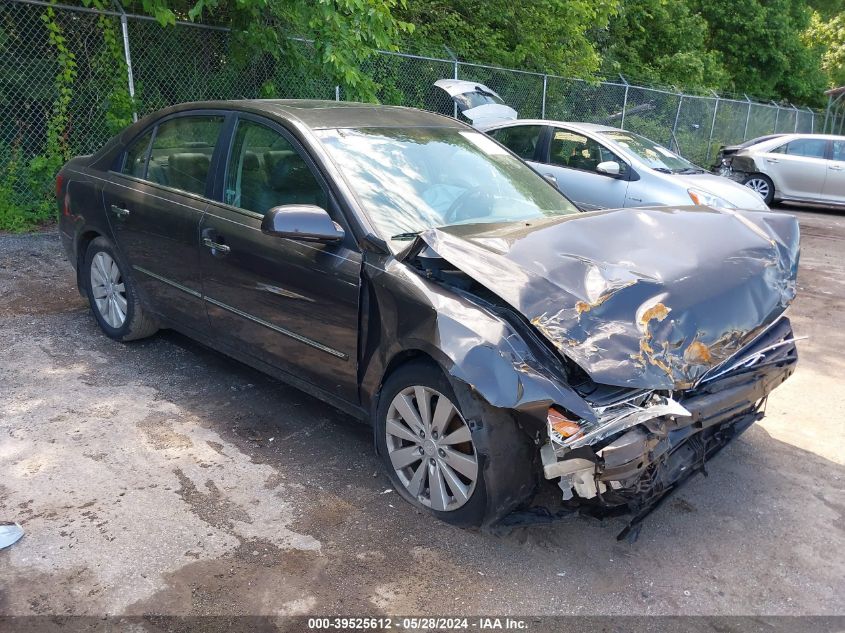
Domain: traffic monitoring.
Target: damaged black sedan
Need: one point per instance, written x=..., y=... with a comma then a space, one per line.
x=416, y=274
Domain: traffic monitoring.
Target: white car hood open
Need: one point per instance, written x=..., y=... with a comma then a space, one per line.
x=482, y=115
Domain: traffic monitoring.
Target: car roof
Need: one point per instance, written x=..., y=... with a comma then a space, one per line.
x=825, y=137
x=780, y=139
x=321, y=114
x=597, y=127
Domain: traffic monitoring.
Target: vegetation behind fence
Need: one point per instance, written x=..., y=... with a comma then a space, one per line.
x=70, y=78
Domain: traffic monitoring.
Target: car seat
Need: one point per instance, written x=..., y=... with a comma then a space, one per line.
x=188, y=171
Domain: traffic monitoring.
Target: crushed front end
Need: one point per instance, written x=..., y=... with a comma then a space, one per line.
x=644, y=444
x=667, y=328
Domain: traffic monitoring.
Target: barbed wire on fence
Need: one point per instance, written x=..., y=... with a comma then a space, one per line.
x=158, y=66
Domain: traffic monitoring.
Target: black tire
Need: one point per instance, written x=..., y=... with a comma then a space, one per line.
x=484, y=505
x=138, y=323
x=758, y=178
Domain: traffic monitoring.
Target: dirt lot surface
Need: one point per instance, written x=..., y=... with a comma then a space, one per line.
x=161, y=477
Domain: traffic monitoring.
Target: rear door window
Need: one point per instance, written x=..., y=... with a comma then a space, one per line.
x=135, y=163
x=266, y=171
x=520, y=139
x=839, y=150
x=807, y=147
x=181, y=152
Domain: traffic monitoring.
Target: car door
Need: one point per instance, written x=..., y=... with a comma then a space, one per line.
x=154, y=200
x=798, y=168
x=834, y=184
x=291, y=304
x=572, y=158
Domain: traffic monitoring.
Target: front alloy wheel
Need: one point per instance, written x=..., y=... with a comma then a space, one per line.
x=467, y=471
x=431, y=449
x=762, y=185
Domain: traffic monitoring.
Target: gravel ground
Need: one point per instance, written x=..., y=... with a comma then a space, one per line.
x=161, y=477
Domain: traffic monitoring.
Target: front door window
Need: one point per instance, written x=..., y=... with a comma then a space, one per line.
x=265, y=171
x=569, y=149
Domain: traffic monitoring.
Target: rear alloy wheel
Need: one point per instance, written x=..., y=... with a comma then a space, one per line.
x=112, y=295
x=430, y=448
x=762, y=185
x=108, y=289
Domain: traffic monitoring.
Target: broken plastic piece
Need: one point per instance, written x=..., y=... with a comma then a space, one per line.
x=615, y=418
x=10, y=533
x=562, y=425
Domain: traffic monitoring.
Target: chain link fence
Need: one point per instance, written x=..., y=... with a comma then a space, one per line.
x=126, y=66
x=834, y=118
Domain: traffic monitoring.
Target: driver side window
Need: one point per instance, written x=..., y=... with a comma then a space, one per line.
x=520, y=139
x=576, y=151
x=266, y=171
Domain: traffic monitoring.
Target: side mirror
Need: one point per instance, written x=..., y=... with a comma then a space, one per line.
x=302, y=222
x=551, y=178
x=609, y=167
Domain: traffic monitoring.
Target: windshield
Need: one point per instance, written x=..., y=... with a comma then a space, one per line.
x=411, y=179
x=759, y=139
x=655, y=156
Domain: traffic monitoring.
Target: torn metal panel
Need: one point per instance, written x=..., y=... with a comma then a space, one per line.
x=469, y=340
x=618, y=417
x=507, y=378
x=640, y=298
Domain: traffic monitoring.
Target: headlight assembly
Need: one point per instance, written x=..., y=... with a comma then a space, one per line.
x=705, y=199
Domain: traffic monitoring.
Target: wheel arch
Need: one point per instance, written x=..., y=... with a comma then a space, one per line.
x=398, y=360
x=761, y=175
x=507, y=454
x=86, y=236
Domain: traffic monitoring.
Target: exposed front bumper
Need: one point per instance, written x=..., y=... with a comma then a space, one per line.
x=636, y=466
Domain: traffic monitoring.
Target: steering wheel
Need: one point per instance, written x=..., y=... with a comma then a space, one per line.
x=452, y=215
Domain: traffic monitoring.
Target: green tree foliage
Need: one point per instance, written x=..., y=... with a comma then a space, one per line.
x=759, y=47
x=345, y=32
x=827, y=34
x=763, y=49
x=661, y=41
x=554, y=36
x=28, y=177
x=827, y=8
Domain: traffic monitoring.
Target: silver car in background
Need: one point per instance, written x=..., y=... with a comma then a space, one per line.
x=793, y=168
x=596, y=166
x=605, y=167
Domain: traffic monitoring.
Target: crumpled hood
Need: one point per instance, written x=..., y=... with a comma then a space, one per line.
x=642, y=298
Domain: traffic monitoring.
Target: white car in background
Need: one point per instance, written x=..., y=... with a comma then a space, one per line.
x=793, y=168
x=598, y=166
